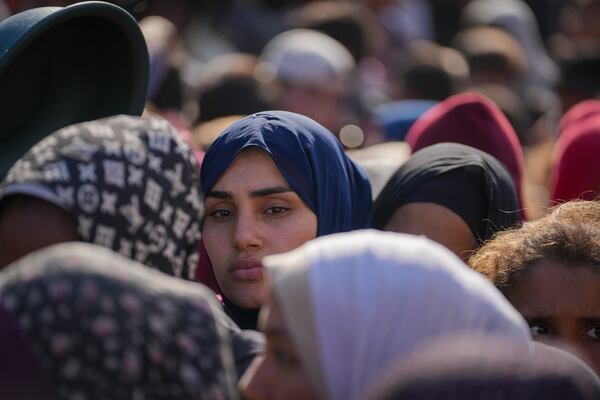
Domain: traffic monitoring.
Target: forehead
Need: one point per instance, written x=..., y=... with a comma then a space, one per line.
x=252, y=168
x=424, y=214
x=552, y=287
x=432, y=220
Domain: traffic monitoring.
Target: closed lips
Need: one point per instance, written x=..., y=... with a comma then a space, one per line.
x=247, y=271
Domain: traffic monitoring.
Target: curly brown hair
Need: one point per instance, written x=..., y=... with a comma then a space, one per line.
x=568, y=233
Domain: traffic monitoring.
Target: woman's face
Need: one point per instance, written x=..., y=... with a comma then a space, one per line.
x=251, y=212
x=323, y=104
x=437, y=223
x=28, y=224
x=279, y=373
x=561, y=303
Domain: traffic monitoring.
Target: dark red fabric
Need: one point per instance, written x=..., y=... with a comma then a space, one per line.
x=576, y=172
x=204, y=272
x=12, y=5
x=473, y=120
x=579, y=113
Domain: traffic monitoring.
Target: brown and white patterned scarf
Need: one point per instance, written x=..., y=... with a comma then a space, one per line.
x=131, y=184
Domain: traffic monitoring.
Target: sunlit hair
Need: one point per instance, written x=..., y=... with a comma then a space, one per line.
x=568, y=233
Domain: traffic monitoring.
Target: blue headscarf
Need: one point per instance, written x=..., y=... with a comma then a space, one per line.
x=397, y=117
x=310, y=159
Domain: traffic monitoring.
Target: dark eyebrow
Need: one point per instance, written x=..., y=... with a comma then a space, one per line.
x=590, y=321
x=270, y=191
x=219, y=194
x=542, y=319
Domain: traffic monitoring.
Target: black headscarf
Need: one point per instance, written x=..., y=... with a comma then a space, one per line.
x=119, y=333
x=131, y=184
x=471, y=183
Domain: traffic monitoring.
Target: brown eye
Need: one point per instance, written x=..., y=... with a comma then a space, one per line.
x=593, y=333
x=538, y=330
x=220, y=214
x=276, y=210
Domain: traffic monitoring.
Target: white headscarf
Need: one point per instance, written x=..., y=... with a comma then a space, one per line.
x=372, y=297
x=306, y=57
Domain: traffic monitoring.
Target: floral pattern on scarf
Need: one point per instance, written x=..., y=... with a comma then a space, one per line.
x=118, y=333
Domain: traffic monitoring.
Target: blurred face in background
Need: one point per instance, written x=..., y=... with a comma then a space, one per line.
x=250, y=213
x=437, y=223
x=279, y=373
x=325, y=104
x=579, y=23
x=28, y=224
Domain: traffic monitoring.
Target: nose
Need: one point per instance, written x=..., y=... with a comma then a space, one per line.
x=253, y=383
x=247, y=235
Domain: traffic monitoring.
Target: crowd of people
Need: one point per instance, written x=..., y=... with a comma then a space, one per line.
x=368, y=199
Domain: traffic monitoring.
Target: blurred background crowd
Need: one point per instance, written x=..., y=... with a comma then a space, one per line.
x=367, y=69
x=220, y=190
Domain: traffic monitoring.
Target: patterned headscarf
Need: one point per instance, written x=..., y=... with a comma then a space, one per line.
x=118, y=333
x=131, y=184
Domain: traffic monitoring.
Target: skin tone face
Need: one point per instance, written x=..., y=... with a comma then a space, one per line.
x=279, y=373
x=561, y=303
x=437, y=223
x=250, y=213
x=28, y=224
x=323, y=104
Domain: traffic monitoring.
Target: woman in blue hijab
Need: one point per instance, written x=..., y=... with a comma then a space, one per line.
x=273, y=181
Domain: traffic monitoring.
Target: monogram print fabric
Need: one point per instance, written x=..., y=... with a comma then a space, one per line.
x=132, y=185
x=117, y=333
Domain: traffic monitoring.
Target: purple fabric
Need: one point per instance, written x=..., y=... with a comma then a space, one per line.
x=21, y=376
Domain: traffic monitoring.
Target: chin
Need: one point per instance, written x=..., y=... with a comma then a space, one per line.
x=251, y=296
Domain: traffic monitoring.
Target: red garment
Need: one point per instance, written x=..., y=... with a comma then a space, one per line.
x=576, y=172
x=204, y=271
x=12, y=5
x=578, y=113
x=473, y=120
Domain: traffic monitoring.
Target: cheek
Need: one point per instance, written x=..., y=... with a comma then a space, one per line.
x=288, y=235
x=588, y=351
x=593, y=357
x=306, y=228
x=214, y=238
